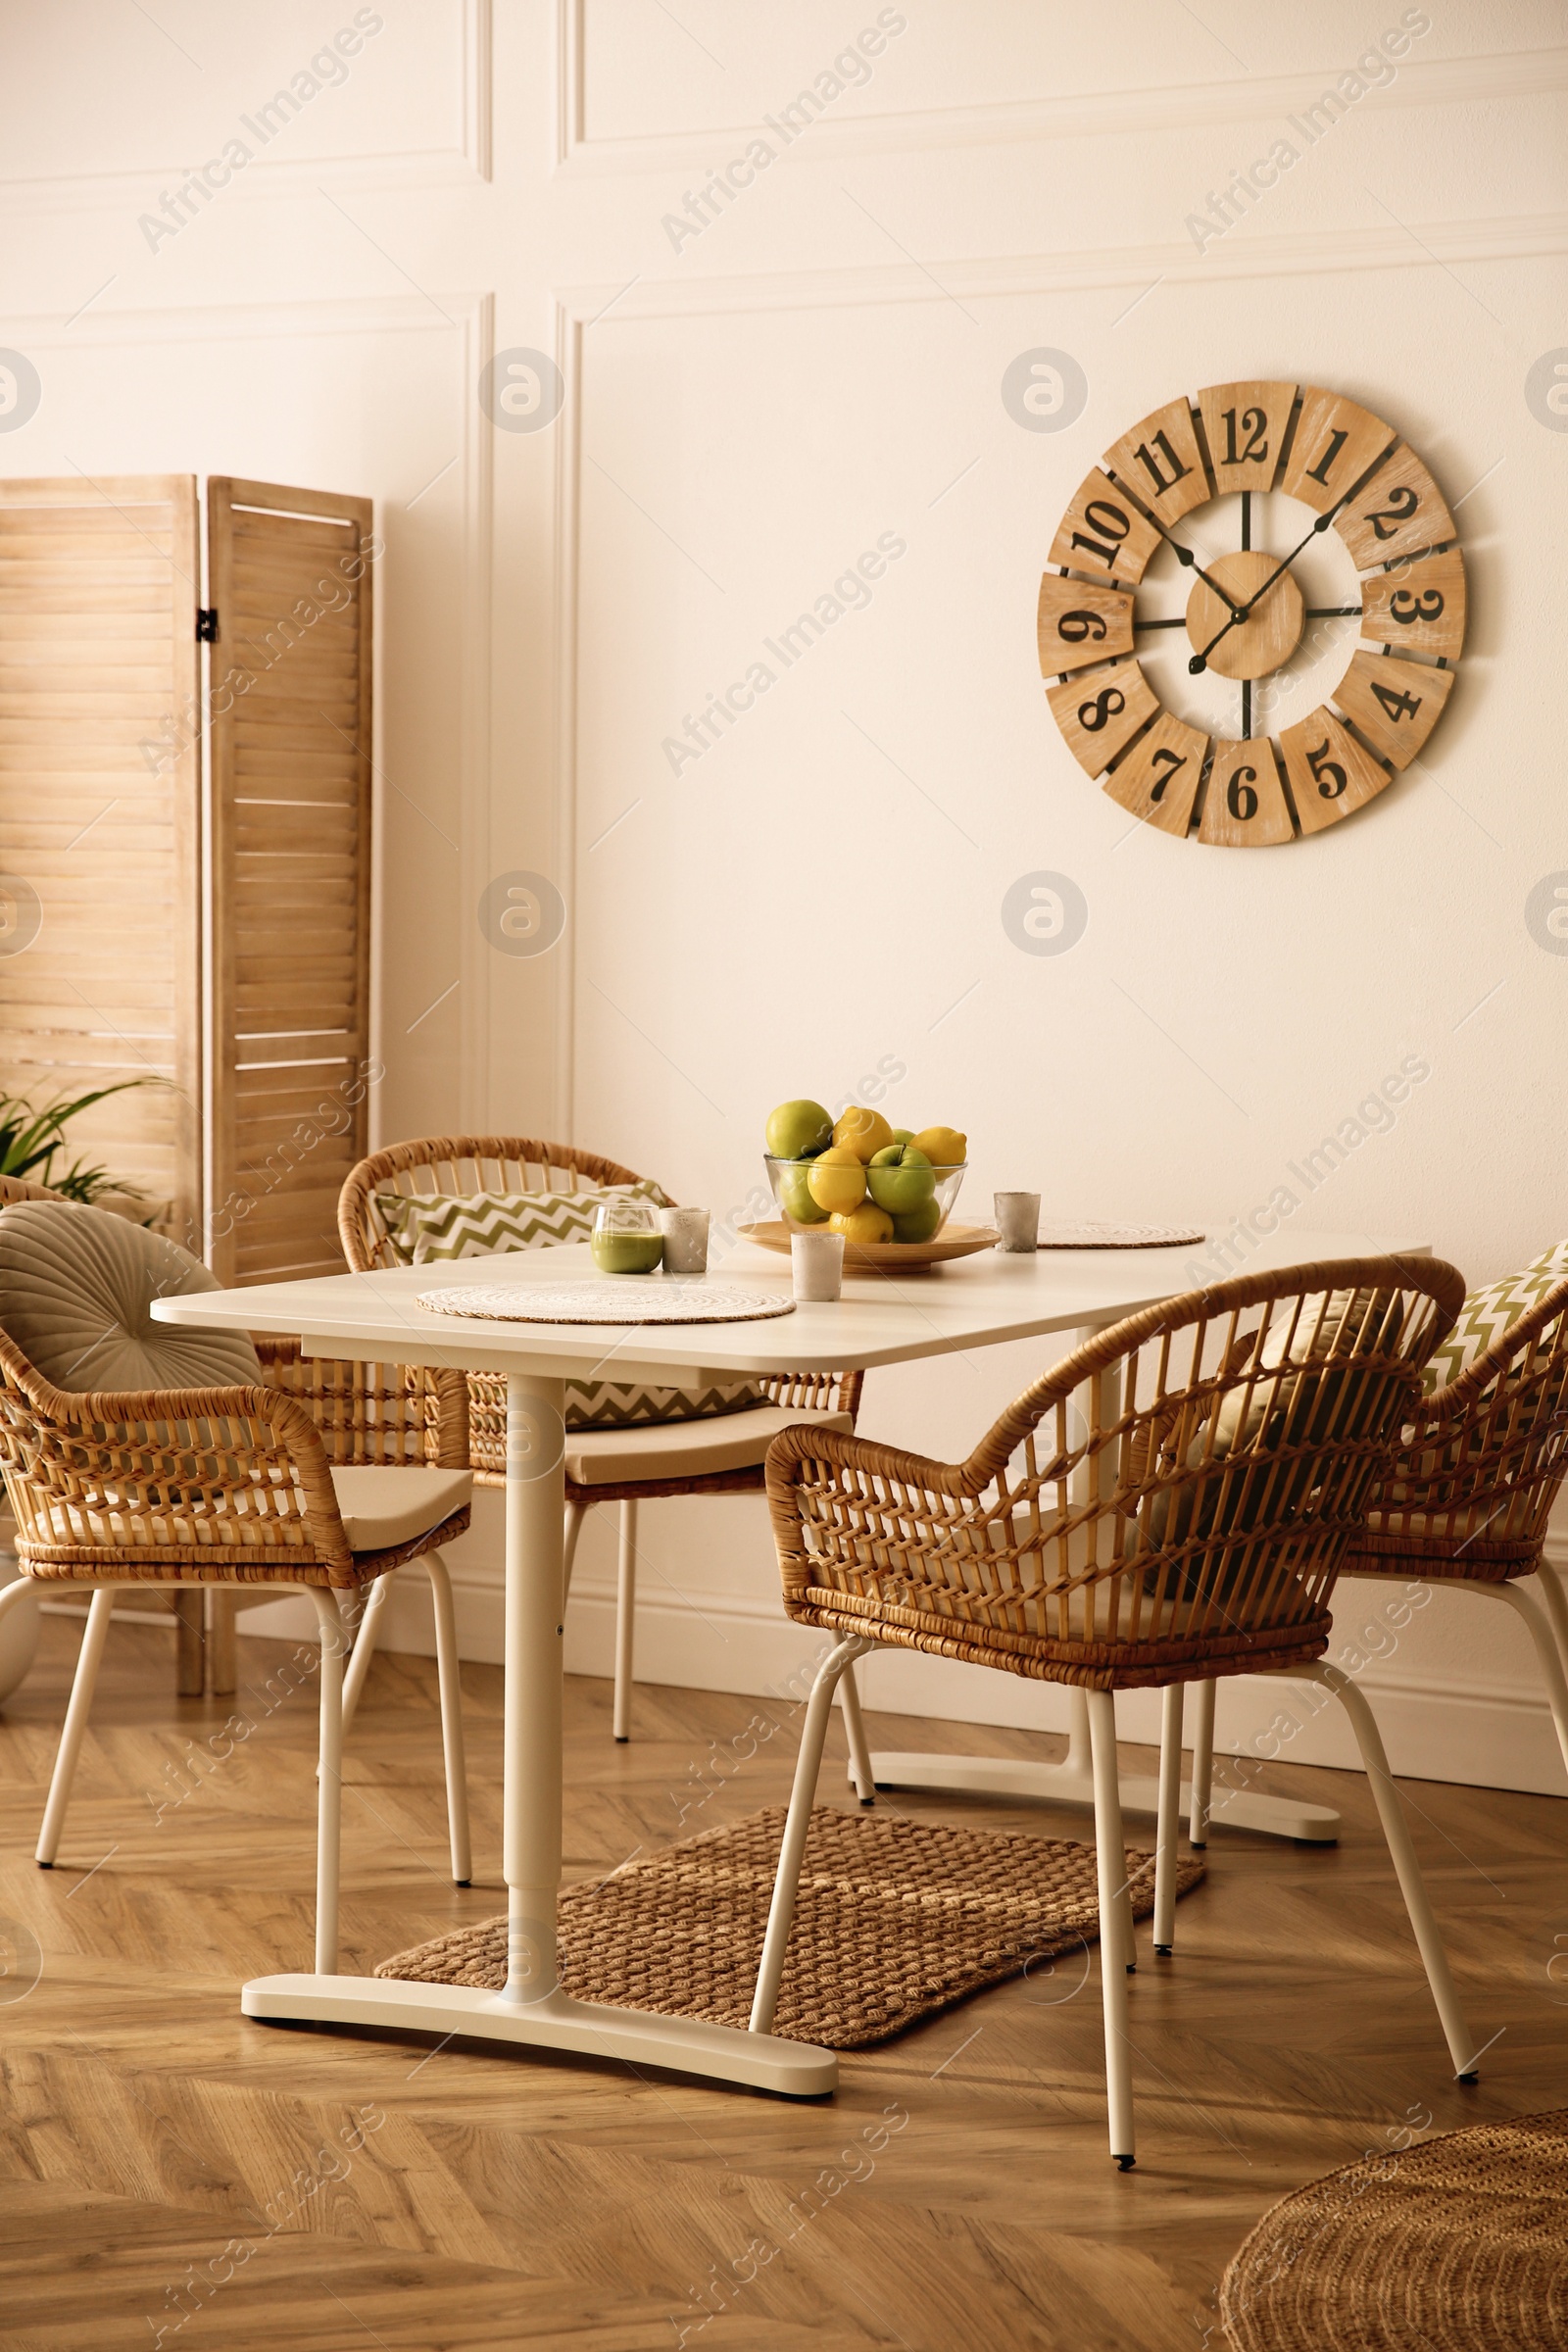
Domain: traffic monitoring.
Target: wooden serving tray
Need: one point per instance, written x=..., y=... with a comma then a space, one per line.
x=883, y=1257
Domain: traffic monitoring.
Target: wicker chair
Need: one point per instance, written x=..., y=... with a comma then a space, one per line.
x=629, y=1465
x=279, y=1481
x=1171, y=1502
x=1468, y=1498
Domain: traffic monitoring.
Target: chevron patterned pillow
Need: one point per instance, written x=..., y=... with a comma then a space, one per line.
x=434, y=1227
x=1486, y=1314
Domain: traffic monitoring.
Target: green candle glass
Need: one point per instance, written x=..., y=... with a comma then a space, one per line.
x=626, y=1238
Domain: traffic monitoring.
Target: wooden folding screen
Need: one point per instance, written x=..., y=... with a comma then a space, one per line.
x=100, y=844
x=290, y=576
x=252, y=1010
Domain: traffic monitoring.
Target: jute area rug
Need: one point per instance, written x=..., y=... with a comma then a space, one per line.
x=1458, y=2245
x=895, y=1921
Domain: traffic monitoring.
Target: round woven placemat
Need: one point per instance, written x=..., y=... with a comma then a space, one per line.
x=637, y=1299
x=895, y=1919
x=1092, y=1236
x=1458, y=2245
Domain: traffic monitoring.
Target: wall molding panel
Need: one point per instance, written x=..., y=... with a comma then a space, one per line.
x=1502, y=74
x=458, y=162
x=1425, y=245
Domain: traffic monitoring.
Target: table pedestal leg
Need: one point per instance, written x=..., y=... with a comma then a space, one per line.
x=533, y=2011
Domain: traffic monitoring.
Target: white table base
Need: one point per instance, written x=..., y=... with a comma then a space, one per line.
x=1071, y=1783
x=684, y=2044
x=533, y=2012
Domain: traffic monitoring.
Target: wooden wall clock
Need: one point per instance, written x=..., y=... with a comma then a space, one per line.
x=1237, y=596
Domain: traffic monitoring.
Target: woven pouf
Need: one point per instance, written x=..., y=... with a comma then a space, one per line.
x=1459, y=2244
x=895, y=1919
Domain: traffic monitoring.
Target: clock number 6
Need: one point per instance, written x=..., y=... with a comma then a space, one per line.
x=1323, y=767
x=1239, y=798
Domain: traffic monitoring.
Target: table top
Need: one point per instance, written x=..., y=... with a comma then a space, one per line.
x=881, y=1319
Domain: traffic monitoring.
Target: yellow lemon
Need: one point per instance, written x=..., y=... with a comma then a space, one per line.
x=867, y=1223
x=944, y=1146
x=836, y=1179
x=864, y=1131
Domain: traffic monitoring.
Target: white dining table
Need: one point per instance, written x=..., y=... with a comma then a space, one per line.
x=968, y=1302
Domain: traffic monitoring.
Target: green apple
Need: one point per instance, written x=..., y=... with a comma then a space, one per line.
x=918, y=1224
x=794, y=1195
x=900, y=1179
x=798, y=1130
x=903, y=1135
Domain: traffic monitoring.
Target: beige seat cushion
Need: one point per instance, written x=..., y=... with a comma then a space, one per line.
x=76, y=1289
x=389, y=1503
x=603, y=1458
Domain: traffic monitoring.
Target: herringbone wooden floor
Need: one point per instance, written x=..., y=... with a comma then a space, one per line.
x=171, y=2173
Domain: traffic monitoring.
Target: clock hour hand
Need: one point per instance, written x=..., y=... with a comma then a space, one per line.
x=1185, y=555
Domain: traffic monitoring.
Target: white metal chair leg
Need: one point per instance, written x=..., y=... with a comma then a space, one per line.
x=1168, y=1821
x=576, y=1513
x=364, y=1651
x=329, y=1779
x=1541, y=1634
x=450, y=1677
x=625, y=1618
x=855, y=1730
x=76, y=1724
x=1202, y=1767
x=1396, y=1830
x=1111, y=1853
x=1555, y=1597
x=809, y=1764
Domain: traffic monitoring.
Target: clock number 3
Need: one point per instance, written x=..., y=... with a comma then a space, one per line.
x=1405, y=607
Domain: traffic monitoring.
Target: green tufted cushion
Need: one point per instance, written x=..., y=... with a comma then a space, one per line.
x=75, y=1286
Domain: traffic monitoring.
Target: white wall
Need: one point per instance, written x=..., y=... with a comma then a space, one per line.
x=746, y=410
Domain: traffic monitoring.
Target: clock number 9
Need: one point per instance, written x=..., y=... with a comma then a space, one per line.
x=1426, y=607
x=1077, y=625
x=1091, y=716
x=1323, y=768
x=1239, y=798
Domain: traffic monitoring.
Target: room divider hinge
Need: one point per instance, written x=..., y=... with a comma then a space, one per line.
x=207, y=625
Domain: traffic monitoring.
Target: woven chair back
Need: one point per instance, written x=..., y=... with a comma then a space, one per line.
x=458, y=1165
x=1181, y=1487
x=1486, y=1458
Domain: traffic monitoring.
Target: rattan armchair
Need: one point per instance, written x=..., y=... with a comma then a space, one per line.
x=270, y=1486
x=1171, y=1502
x=628, y=1466
x=1467, y=1499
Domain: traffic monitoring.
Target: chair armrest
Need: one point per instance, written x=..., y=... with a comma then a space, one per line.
x=156, y=1480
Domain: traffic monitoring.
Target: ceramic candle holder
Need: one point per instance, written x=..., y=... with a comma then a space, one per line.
x=685, y=1233
x=1017, y=1220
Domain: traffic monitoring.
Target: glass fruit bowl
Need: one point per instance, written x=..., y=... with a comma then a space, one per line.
x=914, y=1199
